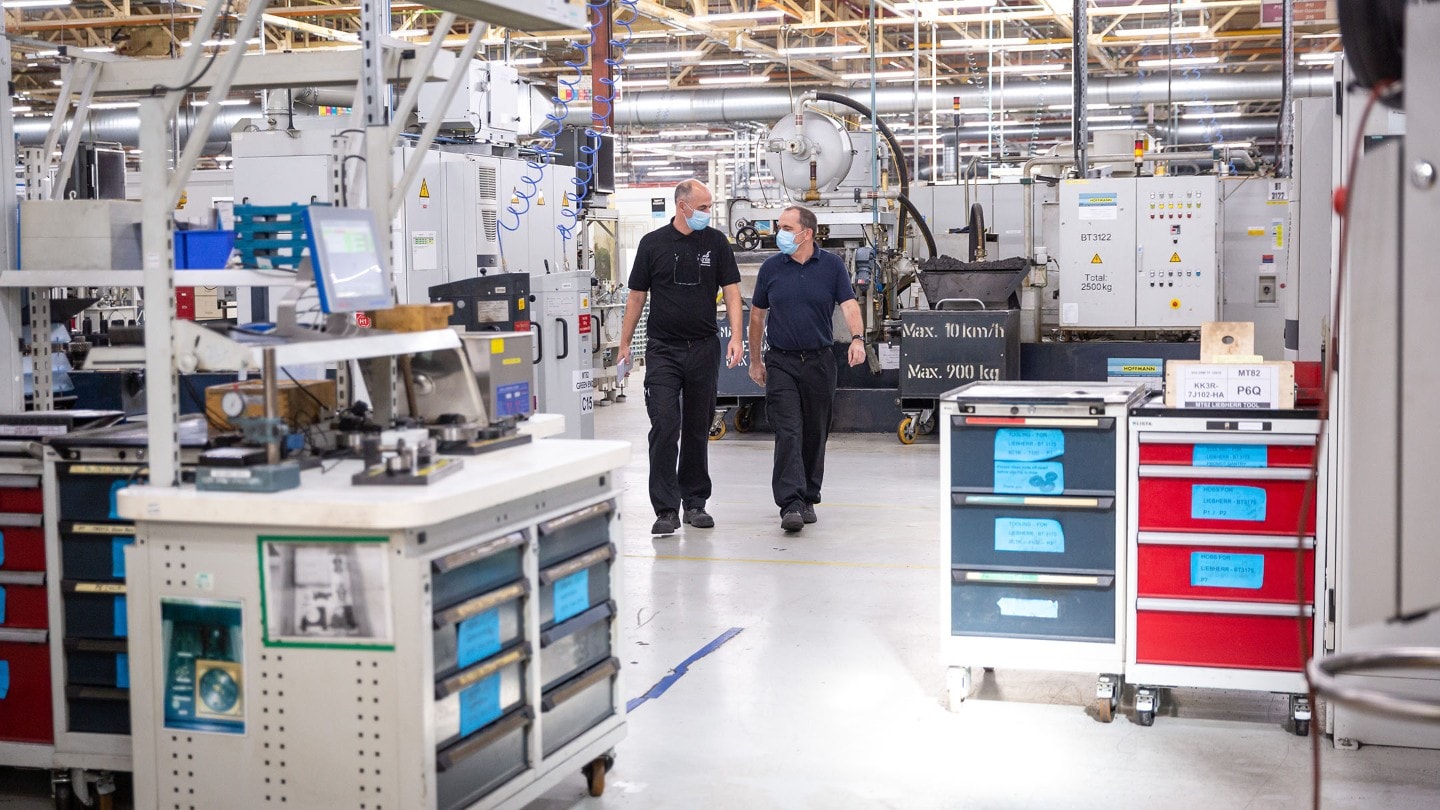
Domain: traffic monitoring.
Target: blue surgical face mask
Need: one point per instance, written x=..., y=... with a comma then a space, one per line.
x=698, y=220
x=785, y=240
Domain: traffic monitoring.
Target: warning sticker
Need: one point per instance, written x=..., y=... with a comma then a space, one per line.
x=1096, y=260
x=424, y=190
x=1174, y=258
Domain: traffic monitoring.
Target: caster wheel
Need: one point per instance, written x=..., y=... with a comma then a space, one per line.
x=64, y=798
x=744, y=419
x=1302, y=728
x=717, y=430
x=905, y=431
x=1145, y=718
x=927, y=426
x=595, y=775
x=1105, y=710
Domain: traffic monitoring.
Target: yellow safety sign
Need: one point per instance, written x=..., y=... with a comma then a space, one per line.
x=1174, y=258
x=1096, y=260
x=424, y=190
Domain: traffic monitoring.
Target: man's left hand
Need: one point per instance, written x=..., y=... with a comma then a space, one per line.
x=734, y=352
x=857, y=353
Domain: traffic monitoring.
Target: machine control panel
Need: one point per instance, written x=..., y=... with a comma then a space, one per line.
x=1097, y=272
x=1177, y=252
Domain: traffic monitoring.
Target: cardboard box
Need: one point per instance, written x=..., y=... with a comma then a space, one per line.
x=413, y=317
x=296, y=407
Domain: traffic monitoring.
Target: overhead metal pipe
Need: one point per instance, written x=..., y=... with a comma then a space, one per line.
x=123, y=126
x=719, y=106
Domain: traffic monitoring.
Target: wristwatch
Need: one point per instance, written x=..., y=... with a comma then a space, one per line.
x=854, y=338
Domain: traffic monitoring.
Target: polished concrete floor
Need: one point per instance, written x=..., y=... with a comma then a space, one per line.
x=831, y=695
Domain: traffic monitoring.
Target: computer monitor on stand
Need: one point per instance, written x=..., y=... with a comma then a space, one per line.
x=352, y=274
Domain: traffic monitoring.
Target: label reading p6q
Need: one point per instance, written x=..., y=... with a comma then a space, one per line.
x=1028, y=444
x=1217, y=502
x=1210, y=569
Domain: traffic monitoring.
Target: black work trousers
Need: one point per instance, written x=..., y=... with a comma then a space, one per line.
x=799, y=391
x=680, y=384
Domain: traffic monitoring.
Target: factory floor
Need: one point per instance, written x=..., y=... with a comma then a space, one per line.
x=831, y=695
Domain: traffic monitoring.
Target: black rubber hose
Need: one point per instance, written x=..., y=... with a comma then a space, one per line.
x=929, y=238
x=894, y=149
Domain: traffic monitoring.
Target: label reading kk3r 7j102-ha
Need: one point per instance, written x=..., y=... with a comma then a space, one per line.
x=1228, y=386
x=1210, y=569
x=1218, y=502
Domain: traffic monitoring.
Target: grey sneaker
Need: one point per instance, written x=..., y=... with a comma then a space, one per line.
x=807, y=513
x=791, y=521
x=666, y=522
x=699, y=518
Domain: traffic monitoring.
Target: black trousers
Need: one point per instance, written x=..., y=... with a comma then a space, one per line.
x=680, y=383
x=799, y=390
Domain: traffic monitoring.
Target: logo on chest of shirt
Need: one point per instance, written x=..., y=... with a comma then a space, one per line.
x=705, y=259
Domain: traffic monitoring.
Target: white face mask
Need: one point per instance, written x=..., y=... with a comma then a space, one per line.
x=698, y=220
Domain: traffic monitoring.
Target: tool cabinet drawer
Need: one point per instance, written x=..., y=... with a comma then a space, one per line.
x=483, y=567
x=575, y=707
x=98, y=709
x=574, y=586
x=25, y=499
x=1296, y=451
x=23, y=600
x=1189, y=499
x=575, y=533
x=88, y=491
x=476, y=697
x=25, y=714
x=569, y=648
x=22, y=548
x=476, y=765
x=1219, y=634
x=95, y=551
x=989, y=455
x=97, y=662
x=1033, y=537
x=478, y=628
x=1029, y=605
x=94, y=609
x=1262, y=570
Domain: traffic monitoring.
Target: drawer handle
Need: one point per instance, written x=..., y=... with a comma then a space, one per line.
x=580, y=516
x=22, y=520
x=1237, y=473
x=1066, y=423
x=463, y=750
x=31, y=578
x=598, y=613
x=19, y=481
x=450, y=562
x=24, y=635
x=97, y=645
x=481, y=603
x=969, y=577
x=97, y=693
x=577, y=564
x=1226, y=540
x=479, y=672
x=579, y=683
x=1274, y=609
x=1098, y=503
x=71, y=586
x=1231, y=437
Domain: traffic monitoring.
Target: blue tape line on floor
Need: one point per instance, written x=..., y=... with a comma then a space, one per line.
x=664, y=684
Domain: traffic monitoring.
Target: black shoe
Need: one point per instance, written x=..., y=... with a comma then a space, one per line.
x=699, y=518
x=791, y=521
x=807, y=513
x=666, y=522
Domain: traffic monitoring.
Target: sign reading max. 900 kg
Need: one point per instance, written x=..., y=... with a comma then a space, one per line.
x=945, y=349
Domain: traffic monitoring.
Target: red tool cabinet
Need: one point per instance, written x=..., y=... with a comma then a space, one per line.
x=1221, y=593
x=26, y=724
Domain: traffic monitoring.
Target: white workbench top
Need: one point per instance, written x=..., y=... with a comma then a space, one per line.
x=329, y=500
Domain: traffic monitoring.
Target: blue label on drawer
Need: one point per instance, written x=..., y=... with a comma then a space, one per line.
x=120, y=629
x=572, y=595
x=122, y=670
x=1209, y=569
x=479, y=705
x=1028, y=444
x=4, y=679
x=512, y=399
x=1216, y=502
x=2, y=546
x=1029, y=608
x=478, y=637
x=1029, y=534
x=2, y=604
x=1231, y=455
x=1029, y=477
x=117, y=556
x=114, y=505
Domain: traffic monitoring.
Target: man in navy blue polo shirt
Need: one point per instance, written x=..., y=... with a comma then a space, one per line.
x=799, y=290
x=681, y=267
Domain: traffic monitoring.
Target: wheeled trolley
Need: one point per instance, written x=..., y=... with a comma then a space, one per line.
x=1032, y=524
x=737, y=395
x=1222, y=593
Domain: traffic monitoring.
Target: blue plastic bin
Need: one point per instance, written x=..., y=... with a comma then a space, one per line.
x=203, y=250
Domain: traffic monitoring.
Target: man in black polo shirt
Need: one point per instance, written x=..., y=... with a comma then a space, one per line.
x=799, y=289
x=682, y=266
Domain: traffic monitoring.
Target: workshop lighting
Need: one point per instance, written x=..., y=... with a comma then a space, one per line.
x=1182, y=61
x=751, y=79
x=766, y=14
x=1235, y=144
x=883, y=75
x=36, y=3
x=936, y=5
x=1323, y=56
x=1099, y=118
x=104, y=49
x=817, y=50
x=1207, y=116
x=984, y=44
x=1029, y=69
x=651, y=56
x=628, y=84
x=23, y=108
x=217, y=43
x=683, y=133
x=228, y=102
x=670, y=171
x=1174, y=30
x=114, y=105
x=1092, y=105
x=526, y=61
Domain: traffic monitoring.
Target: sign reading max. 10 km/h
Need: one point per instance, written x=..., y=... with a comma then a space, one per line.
x=945, y=349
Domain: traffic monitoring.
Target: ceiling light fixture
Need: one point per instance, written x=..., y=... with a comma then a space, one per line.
x=882, y=75
x=1174, y=30
x=114, y=105
x=35, y=3
x=744, y=79
x=1321, y=57
x=744, y=16
x=1180, y=61
x=651, y=56
x=1025, y=69
x=822, y=49
x=1207, y=116
x=984, y=44
x=635, y=84
x=935, y=5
